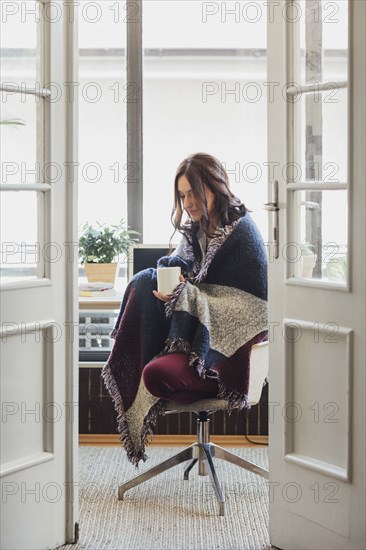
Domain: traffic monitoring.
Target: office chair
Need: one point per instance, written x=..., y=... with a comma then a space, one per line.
x=203, y=450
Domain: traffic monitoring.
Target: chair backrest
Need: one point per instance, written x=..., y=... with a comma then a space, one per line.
x=259, y=364
x=141, y=256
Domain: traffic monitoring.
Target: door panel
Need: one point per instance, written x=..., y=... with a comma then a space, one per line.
x=317, y=367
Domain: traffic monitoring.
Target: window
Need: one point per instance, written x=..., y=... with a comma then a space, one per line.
x=102, y=112
x=203, y=75
x=318, y=164
x=25, y=182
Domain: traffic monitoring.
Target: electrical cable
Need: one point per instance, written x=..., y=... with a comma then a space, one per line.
x=254, y=442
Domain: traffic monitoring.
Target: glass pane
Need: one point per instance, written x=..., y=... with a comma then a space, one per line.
x=19, y=34
x=323, y=40
x=20, y=25
x=204, y=75
x=21, y=250
x=324, y=137
x=320, y=250
x=19, y=142
x=102, y=113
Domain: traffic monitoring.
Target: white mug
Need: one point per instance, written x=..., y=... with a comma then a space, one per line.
x=168, y=278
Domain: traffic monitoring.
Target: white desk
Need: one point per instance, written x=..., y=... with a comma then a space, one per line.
x=101, y=302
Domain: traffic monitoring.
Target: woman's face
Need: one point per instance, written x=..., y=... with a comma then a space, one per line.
x=189, y=201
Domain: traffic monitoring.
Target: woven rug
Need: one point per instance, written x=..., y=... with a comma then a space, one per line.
x=166, y=512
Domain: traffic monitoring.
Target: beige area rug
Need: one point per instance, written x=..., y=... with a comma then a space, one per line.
x=166, y=512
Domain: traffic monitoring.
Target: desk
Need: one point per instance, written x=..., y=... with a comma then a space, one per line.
x=101, y=302
x=96, y=319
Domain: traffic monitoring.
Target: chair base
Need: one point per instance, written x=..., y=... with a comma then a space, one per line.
x=202, y=452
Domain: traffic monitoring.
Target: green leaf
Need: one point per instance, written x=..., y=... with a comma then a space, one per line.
x=13, y=122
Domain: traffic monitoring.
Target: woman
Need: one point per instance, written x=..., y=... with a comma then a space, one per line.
x=196, y=342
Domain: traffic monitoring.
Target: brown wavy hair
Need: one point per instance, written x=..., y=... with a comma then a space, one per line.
x=202, y=169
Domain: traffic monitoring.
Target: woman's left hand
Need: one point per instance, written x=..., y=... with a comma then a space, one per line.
x=166, y=297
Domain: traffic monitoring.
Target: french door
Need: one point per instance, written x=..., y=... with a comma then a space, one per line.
x=39, y=432
x=316, y=126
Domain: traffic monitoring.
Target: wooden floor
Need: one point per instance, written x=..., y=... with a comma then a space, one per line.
x=112, y=440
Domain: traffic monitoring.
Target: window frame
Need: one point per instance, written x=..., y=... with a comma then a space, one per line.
x=294, y=129
x=43, y=149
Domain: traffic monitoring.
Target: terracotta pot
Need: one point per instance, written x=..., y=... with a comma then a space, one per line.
x=101, y=273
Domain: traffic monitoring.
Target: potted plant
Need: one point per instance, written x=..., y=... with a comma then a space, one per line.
x=308, y=259
x=99, y=246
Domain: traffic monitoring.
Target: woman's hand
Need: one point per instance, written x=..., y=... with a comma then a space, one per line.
x=166, y=297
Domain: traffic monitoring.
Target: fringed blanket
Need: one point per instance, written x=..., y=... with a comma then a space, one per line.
x=215, y=316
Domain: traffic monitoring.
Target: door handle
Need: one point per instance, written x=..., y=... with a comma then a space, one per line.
x=273, y=207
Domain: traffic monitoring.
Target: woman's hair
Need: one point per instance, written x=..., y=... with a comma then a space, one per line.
x=202, y=169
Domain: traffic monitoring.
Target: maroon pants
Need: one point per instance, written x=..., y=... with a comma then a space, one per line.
x=169, y=377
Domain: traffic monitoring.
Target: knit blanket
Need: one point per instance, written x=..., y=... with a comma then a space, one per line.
x=215, y=316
